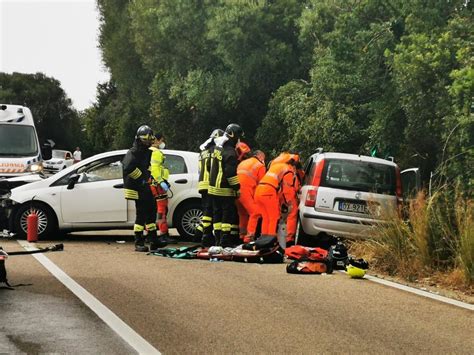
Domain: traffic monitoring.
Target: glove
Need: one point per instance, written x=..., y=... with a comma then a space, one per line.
x=164, y=186
x=284, y=208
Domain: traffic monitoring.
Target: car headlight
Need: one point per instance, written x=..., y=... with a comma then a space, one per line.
x=35, y=168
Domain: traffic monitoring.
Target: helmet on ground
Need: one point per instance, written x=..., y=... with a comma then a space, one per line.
x=145, y=135
x=234, y=131
x=355, y=272
x=360, y=263
x=217, y=133
x=242, y=150
x=339, y=255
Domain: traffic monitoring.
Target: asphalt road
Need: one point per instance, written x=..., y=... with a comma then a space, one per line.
x=195, y=306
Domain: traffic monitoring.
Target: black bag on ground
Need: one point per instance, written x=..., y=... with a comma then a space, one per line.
x=261, y=243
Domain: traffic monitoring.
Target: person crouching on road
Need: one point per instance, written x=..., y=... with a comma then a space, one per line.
x=160, y=186
x=204, y=231
x=224, y=184
x=250, y=171
x=136, y=174
x=277, y=185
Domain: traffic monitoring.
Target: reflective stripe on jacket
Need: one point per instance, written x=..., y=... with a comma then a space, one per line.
x=158, y=170
x=223, y=180
x=281, y=177
x=204, y=169
x=250, y=172
x=135, y=169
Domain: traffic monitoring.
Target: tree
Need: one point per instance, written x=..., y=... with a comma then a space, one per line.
x=52, y=110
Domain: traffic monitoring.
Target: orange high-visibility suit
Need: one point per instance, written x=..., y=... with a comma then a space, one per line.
x=277, y=183
x=292, y=217
x=250, y=172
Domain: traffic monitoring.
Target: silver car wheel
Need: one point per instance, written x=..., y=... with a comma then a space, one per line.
x=42, y=219
x=191, y=219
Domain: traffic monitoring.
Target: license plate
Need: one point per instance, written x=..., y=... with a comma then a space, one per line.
x=353, y=207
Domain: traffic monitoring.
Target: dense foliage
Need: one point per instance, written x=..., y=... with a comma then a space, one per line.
x=52, y=110
x=346, y=75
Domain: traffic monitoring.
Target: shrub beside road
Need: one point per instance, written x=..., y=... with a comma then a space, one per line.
x=437, y=244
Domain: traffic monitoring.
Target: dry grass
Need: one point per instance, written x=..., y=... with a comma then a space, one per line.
x=436, y=243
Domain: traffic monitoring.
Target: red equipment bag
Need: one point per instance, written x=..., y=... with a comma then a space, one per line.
x=301, y=253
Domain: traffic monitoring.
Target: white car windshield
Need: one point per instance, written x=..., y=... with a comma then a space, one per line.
x=17, y=141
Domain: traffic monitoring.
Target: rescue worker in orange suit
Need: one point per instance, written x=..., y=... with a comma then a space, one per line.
x=292, y=206
x=277, y=185
x=160, y=186
x=224, y=184
x=136, y=176
x=204, y=230
x=250, y=171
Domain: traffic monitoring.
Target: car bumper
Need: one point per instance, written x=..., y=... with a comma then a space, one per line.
x=314, y=222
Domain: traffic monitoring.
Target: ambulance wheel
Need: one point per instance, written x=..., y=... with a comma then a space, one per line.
x=47, y=223
x=187, y=218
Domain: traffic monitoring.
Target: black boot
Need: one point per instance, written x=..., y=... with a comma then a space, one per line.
x=217, y=237
x=155, y=241
x=208, y=240
x=197, y=237
x=235, y=237
x=140, y=242
x=227, y=241
x=166, y=237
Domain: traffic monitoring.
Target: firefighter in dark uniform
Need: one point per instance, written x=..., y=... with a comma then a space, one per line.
x=224, y=184
x=204, y=230
x=136, y=177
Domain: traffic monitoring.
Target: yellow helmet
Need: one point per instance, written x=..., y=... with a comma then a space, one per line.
x=355, y=272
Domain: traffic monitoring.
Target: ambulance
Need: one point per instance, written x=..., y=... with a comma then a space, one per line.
x=20, y=151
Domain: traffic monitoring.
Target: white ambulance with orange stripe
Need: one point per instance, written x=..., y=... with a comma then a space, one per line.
x=20, y=151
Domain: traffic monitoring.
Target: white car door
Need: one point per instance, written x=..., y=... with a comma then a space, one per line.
x=179, y=175
x=93, y=198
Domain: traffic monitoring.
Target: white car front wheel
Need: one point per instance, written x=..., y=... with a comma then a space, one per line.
x=46, y=220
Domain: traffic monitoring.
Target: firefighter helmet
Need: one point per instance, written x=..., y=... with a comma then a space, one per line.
x=145, y=135
x=234, y=131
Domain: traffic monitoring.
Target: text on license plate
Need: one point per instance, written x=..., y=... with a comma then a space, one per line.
x=353, y=207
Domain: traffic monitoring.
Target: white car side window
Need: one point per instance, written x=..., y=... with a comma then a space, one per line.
x=102, y=170
x=175, y=164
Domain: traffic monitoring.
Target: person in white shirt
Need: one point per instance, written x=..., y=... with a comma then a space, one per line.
x=77, y=155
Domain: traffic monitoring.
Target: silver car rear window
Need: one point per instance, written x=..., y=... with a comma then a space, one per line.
x=359, y=175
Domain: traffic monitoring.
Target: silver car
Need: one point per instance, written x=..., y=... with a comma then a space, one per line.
x=347, y=195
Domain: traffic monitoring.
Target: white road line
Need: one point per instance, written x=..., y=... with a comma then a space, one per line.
x=110, y=318
x=419, y=292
